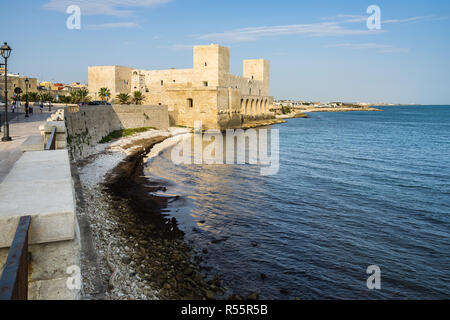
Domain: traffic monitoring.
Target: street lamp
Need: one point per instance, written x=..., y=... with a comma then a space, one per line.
x=26, y=103
x=5, y=52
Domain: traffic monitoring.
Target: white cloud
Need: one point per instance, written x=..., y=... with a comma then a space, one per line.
x=412, y=19
x=105, y=26
x=314, y=29
x=118, y=8
x=331, y=27
x=380, y=48
x=347, y=18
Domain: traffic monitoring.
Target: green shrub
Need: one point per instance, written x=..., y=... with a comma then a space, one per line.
x=124, y=133
x=285, y=110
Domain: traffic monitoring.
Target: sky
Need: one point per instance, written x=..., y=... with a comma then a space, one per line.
x=319, y=50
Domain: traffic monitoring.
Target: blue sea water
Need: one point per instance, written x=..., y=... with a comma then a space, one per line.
x=353, y=190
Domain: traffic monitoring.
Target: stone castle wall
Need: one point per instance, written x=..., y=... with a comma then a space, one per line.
x=207, y=92
x=89, y=125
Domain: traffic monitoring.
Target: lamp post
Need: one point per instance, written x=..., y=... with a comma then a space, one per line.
x=5, y=52
x=26, y=92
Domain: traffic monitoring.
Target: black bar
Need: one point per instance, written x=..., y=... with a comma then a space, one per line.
x=14, y=281
x=51, y=141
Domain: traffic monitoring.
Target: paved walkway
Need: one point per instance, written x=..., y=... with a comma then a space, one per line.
x=20, y=128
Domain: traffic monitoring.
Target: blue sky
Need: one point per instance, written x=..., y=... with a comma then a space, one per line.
x=319, y=50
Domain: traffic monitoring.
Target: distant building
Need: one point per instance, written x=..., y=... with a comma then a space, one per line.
x=45, y=84
x=57, y=86
x=16, y=81
x=78, y=85
x=207, y=92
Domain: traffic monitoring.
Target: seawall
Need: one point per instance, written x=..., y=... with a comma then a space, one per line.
x=89, y=125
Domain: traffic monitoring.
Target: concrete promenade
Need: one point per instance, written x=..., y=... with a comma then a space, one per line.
x=39, y=184
x=20, y=128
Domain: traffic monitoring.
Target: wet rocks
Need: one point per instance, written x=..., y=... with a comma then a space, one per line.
x=253, y=296
x=284, y=291
x=148, y=250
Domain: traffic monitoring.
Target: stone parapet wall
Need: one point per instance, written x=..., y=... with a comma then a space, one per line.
x=89, y=125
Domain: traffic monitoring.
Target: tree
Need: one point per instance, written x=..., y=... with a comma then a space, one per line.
x=32, y=96
x=124, y=98
x=138, y=97
x=83, y=94
x=65, y=99
x=104, y=94
x=80, y=95
x=45, y=96
x=75, y=97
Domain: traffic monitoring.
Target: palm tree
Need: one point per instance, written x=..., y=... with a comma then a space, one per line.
x=45, y=96
x=33, y=96
x=124, y=98
x=138, y=97
x=104, y=94
x=83, y=94
x=75, y=97
x=78, y=96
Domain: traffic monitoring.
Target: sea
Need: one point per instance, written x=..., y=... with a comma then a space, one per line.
x=360, y=198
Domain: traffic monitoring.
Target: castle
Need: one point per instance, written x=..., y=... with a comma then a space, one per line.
x=207, y=92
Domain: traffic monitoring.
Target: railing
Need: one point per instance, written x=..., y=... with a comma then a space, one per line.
x=14, y=281
x=51, y=144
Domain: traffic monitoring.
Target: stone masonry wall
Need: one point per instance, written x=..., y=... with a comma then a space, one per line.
x=89, y=125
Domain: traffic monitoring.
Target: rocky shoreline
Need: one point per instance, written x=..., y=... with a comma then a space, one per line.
x=140, y=252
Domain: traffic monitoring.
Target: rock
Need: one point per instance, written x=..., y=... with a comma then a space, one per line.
x=188, y=271
x=253, y=296
x=209, y=294
x=263, y=276
x=236, y=297
x=205, y=251
x=216, y=241
x=126, y=260
x=284, y=291
x=254, y=243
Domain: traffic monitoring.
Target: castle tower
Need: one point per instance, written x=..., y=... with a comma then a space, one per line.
x=258, y=70
x=213, y=61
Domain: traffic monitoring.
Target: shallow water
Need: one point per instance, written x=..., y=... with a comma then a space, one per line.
x=353, y=190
